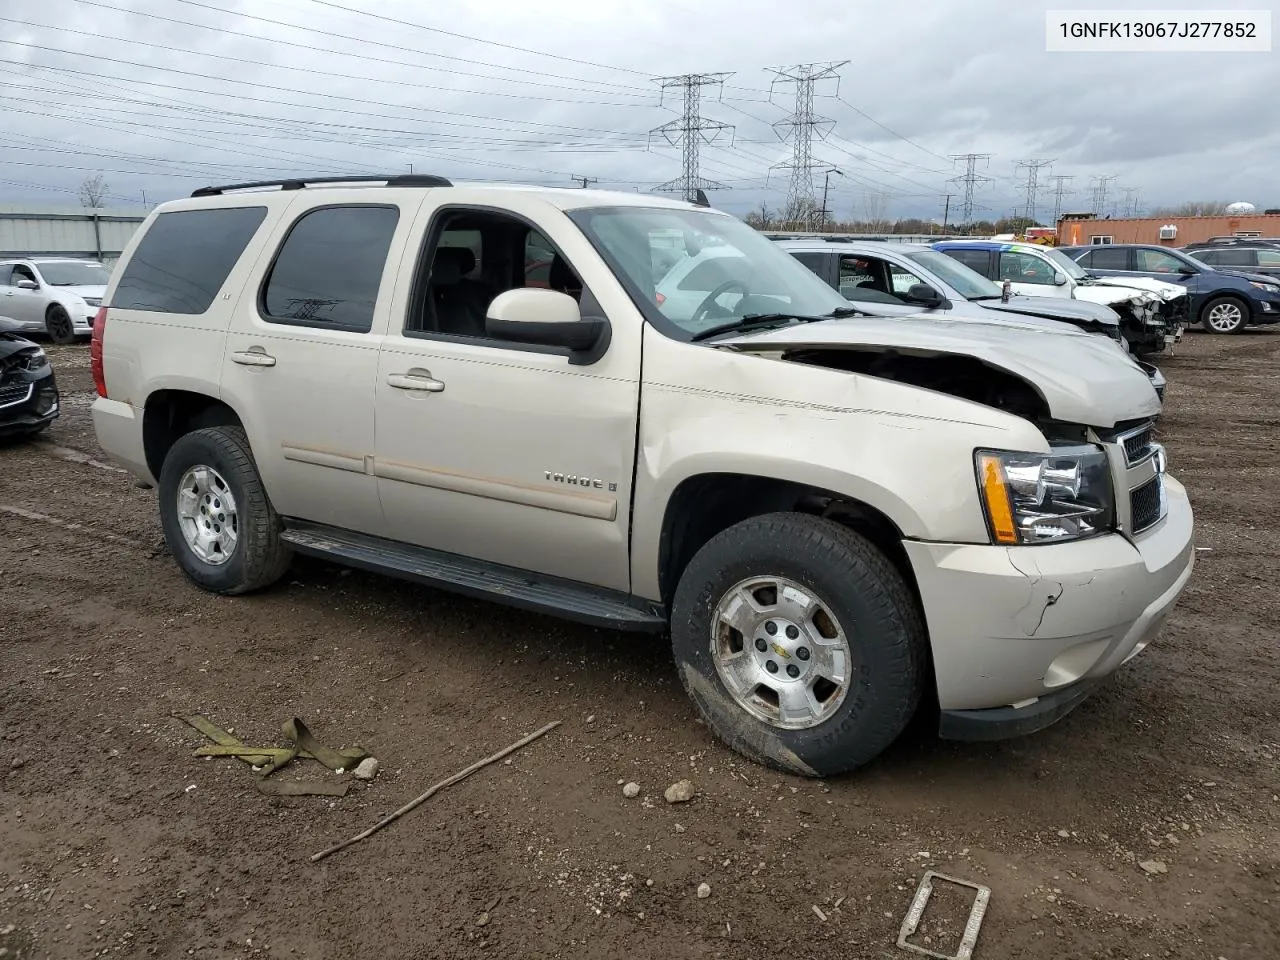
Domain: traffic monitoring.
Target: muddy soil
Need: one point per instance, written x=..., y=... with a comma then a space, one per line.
x=117, y=841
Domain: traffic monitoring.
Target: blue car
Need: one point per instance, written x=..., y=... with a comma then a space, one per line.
x=1221, y=300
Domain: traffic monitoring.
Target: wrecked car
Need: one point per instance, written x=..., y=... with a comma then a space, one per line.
x=1153, y=313
x=29, y=400
x=833, y=517
x=902, y=279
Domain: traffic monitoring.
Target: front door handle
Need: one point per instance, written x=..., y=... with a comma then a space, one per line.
x=415, y=379
x=253, y=357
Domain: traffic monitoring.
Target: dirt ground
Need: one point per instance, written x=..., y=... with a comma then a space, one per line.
x=117, y=841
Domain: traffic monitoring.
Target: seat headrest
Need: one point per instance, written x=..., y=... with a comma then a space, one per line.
x=451, y=264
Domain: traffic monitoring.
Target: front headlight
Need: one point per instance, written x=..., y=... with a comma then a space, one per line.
x=1269, y=287
x=1032, y=498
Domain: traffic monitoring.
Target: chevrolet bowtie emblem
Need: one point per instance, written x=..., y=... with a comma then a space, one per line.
x=780, y=651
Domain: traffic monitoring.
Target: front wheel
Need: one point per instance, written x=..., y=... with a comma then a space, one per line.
x=218, y=521
x=1224, y=315
x=799, y=642
x=57, y=323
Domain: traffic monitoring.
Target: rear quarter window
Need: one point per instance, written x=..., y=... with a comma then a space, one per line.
x=184, y=258
x=329, y=268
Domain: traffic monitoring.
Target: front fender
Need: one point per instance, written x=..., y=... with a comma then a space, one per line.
x=905, y=451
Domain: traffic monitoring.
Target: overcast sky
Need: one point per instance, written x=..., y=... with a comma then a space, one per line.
x=163, y=96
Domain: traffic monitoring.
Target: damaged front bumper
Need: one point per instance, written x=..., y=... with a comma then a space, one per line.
x=1021, y=635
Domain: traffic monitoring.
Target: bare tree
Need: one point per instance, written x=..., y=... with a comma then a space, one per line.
x=761, y=219
x=93, y=191
x=875, y=209
x=1193, y=208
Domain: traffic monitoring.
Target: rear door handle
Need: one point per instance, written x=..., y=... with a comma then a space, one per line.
x=253, y=357
x=415, y=379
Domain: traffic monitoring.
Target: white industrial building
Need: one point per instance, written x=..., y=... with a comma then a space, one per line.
x=30, y=230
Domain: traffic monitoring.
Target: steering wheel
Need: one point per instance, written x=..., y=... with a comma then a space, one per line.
x=710, y=301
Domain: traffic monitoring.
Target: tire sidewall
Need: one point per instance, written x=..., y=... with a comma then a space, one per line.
x=875, y=709
x=199, y=448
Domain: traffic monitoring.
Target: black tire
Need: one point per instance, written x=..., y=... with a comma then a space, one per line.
x=867, y=596
x=260, y=557
x=1224, y=303
x=57, y=323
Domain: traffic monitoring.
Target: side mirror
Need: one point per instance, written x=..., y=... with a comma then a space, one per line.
x=1186, y=270
x=1059, y=279
x=541, y=317
x=925, y=295
x=27, y=285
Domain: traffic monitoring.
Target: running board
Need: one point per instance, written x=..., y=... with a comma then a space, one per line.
x=477, y=578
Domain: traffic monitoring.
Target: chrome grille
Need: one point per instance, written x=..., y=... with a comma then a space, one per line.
x=14, y=393
x=1146, y=504
x=1137, y=445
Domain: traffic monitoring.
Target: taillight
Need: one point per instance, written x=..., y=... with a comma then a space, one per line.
x=95, y=351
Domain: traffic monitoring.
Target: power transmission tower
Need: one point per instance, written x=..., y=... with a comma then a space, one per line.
x=802, y=126
x=1130, y=201
x=1100, y=194
x=1059, y=191
x=690, y=131
x=1033, y=168
x=970, y=179
x=584, y=180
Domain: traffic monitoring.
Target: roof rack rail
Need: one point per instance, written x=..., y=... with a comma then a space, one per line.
x=299, y=183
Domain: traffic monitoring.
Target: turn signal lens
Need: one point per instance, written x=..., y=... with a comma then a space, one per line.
x=996, y=494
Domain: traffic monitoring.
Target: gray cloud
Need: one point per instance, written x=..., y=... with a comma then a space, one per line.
x=163, y=107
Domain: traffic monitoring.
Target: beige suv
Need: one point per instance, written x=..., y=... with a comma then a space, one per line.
x=481, y=388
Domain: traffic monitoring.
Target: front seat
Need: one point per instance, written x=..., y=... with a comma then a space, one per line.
x=459, y=303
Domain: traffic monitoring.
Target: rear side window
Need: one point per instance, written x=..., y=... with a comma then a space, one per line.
x=979, y=260
x=1104, y=259
x=184, y=259
x=329, y=268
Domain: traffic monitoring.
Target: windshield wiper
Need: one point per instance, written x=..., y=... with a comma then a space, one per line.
x=756, y=321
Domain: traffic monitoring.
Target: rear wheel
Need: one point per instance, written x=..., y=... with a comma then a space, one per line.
x=218, y=521
x=799, y=642
x=1224, y=315
x=57, y=323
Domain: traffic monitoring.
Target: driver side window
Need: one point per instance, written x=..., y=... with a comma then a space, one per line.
x=22, y=272
x=1024, y=268
x=1157, y=261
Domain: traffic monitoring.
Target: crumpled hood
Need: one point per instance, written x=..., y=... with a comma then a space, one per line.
x=11, y=341
x=1083, y=378
x=1161, y=288
x=1077, y=312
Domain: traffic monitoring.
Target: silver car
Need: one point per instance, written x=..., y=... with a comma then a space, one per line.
x=54, y=296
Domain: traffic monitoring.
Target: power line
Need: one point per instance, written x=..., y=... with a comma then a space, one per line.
x=690, y=131
x=448, y=69
x=1033, y=168
x=803, y=125
x=970, y=179
x=900, y=136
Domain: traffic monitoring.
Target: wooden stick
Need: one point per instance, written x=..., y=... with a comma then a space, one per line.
x=460, y=775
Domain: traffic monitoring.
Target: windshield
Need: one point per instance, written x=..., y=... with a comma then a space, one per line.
x=68, y=273
x=967, y=282
x=689, y=271
x=1065, y=264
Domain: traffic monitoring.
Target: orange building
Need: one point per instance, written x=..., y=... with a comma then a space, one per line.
x=1073, y=232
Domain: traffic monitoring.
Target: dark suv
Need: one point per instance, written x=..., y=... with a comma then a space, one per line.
x=1262, y=258
x=1223, y=300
